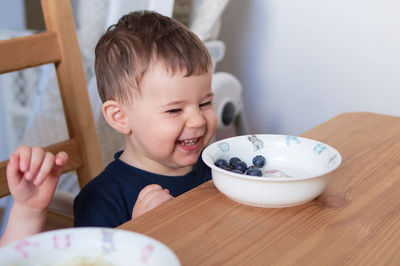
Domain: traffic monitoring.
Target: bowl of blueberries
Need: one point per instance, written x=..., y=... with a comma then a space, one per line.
x=271, y=170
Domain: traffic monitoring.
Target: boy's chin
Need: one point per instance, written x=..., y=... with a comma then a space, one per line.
x=189, y=161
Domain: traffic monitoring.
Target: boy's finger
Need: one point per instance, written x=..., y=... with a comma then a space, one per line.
x=149, y=189
x=37, y=155
x=158, y=195
x=45, y=169
x=166, y=193
x=13, y=174
x=59, y=162
x=157, y=198
x=24, y=154
x=61, y=159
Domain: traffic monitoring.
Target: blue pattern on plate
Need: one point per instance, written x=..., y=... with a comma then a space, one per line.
x=294, y=138
x=224, y=146
x=257, y=143
x=319, y=148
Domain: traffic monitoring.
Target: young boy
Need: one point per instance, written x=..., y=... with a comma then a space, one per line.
x=154, y=78
x=32, y=176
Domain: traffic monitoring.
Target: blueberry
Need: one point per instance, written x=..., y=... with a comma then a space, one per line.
x=224, y=167
x=233, y=161
x=241, y=166
x=220, y=162
x=253, y=171
x=237, y=171
x=259, y=161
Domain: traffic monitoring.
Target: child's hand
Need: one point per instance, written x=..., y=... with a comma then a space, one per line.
x=32, y=176
x=150, y=197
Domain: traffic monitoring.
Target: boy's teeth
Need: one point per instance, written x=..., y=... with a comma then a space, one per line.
x=188, y=142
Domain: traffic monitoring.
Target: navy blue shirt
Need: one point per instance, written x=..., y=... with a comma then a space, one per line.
x=108, y=199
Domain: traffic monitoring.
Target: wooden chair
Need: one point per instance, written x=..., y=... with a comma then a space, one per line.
x=59, y=45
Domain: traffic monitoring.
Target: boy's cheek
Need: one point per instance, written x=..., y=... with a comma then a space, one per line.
x=215, y=120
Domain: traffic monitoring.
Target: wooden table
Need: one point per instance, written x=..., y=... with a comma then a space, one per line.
x=356, y=221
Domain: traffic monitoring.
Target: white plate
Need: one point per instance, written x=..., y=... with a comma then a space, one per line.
x=87, y=246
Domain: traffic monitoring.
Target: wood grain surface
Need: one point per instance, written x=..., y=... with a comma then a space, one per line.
x=356, y=221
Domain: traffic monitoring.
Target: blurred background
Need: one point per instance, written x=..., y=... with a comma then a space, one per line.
x=303, y=62
x=299, y=62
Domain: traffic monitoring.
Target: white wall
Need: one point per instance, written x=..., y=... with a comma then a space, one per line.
x=303, y=62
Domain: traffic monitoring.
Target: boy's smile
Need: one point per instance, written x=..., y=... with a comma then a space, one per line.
x=189, y=143
x=170, y=122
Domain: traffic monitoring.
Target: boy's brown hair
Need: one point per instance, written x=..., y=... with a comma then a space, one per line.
x=126, y=50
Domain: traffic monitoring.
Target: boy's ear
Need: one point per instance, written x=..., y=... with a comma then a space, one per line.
x=115, y=116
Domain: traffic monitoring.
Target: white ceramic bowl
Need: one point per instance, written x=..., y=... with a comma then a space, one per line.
x=297, y=169
x=88, y=246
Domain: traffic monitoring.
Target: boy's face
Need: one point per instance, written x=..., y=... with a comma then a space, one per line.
x=171, y=122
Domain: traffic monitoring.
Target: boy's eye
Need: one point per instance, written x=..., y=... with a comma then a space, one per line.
x=174, y=111
x=206, y=104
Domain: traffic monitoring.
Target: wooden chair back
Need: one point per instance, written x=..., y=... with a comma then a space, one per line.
x=59, y=45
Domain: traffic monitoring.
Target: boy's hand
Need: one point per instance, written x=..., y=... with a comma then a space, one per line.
x=32, y=176
x=150, y=197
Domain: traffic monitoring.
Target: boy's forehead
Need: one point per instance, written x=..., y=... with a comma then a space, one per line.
x=162, y=72
x=162, y=68
x=160, y=79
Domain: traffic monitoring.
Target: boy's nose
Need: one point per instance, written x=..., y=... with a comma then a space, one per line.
x=196, y=119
